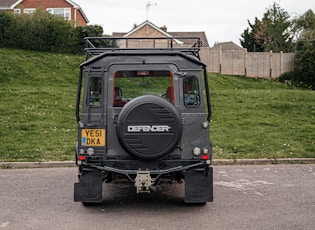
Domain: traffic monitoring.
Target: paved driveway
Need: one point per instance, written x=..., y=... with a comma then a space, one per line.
x=245, y=197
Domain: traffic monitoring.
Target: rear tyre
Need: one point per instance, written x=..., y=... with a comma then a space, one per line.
x=90, y=204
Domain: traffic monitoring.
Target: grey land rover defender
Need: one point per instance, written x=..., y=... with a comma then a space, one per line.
x=143, y=117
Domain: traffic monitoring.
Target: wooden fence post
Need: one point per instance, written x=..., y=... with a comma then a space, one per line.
x=220, y=60
x=281, y=62
x=245, y=62
x=270, y=64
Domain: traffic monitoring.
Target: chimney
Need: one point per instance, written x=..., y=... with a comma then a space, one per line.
x=164, y=28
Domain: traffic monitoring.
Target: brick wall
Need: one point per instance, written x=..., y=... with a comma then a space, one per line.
x=145, y=31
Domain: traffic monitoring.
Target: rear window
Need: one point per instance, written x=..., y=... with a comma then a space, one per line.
x=95, y=91
x=131, y=84
x=191, y=92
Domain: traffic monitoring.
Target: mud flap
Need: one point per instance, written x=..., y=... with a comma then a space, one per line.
x=199, y=186
x=89, y=189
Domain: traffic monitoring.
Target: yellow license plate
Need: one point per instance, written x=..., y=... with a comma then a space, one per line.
x=93, y=137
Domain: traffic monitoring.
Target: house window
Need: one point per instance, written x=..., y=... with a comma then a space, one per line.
x=63, y=12
x=29, y=10
x=17, y=11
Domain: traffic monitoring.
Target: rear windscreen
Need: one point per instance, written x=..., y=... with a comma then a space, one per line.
x=131, y=84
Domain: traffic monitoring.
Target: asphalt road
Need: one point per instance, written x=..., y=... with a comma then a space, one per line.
x=245, y=197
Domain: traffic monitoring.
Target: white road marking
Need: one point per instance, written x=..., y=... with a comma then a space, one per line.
x=244, y=185
x=3, y=225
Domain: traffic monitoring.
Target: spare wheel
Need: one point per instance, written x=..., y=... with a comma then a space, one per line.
x=149, y=127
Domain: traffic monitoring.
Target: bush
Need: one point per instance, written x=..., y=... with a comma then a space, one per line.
x=5, y=21
x=305, y=62
x=79, y=33
x=293, y=78
x=304, y=71
x=42, y=31
x=288, y=76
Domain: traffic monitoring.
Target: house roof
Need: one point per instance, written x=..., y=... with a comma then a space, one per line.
x=76, y=6
x=200, y=34
x=11, y=4
x=163, y=31
x=142, y=25
x=152, y=25
x=227, y=46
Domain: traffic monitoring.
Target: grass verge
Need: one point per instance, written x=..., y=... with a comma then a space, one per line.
x=251, y=118
x=37, y=92
x=254, y=118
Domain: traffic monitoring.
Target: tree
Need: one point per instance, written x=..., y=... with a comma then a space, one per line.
x=274, y=30
x=270, y=33
x=304, y=35
x=304, y=24
x=248, y=36
x=305, y=49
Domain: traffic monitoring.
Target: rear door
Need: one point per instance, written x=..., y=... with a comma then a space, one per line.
x=92, y=127
x=126, y=82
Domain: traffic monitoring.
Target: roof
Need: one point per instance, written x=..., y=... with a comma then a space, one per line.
x=227, y=46
x=76, y=6
x=146, y=23
x=11, y=4
x=152, y=25
x=201, y=35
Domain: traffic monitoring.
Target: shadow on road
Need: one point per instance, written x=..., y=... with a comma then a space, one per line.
x=124, y=196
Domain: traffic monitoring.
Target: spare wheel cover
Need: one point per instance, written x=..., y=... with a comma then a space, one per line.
x=149, y=127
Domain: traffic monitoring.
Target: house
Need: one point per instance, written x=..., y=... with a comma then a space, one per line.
x=148, y=29
x=227, y=46
x=65, y=8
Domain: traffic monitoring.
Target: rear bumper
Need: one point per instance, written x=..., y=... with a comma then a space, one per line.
x=130, y=168
x=198, y=176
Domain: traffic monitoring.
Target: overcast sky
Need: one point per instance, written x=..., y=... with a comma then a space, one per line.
x=222, y=20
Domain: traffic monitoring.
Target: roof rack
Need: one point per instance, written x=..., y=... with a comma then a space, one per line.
x=97, y=45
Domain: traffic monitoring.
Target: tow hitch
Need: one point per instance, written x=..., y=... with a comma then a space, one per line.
x=143, y=182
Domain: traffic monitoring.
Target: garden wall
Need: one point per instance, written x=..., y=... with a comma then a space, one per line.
x=267, y=65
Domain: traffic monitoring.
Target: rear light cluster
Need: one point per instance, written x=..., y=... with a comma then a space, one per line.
x=81, y=158
x=197, y=151
x=82, y=155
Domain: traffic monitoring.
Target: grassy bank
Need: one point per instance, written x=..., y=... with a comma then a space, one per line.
x=251, y=118
x=255, y=118
x=37, y=107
